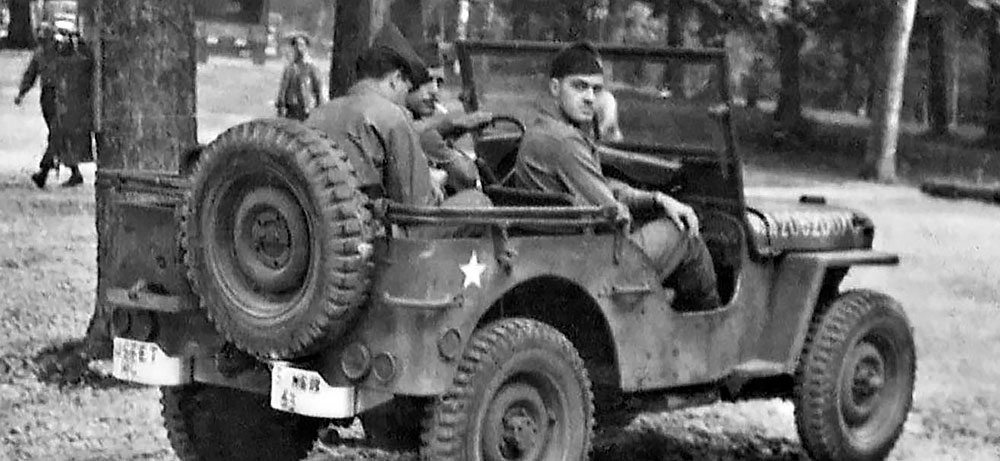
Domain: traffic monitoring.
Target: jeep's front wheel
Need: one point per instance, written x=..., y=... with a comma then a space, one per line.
x=854, y=385
x=215, y=423
x=521, y=393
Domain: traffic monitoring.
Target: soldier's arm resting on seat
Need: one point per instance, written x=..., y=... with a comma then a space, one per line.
x=680, y=213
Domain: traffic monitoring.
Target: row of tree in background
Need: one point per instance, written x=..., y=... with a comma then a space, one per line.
x=829, y=54
x=820, y=53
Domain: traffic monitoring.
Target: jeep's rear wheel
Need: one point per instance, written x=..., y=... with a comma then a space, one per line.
x=215, y=423
x=854, y=386
x=276, y=236
x=521, y=393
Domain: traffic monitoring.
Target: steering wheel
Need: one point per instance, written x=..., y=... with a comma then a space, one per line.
x=499, y=120
x=490, y=133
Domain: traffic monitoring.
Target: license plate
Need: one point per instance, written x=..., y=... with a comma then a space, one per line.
x=147, y=363
x=305, y=392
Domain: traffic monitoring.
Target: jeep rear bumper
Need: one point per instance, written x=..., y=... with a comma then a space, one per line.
x=291, y=389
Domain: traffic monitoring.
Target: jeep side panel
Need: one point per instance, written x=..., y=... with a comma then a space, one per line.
x=431, y=295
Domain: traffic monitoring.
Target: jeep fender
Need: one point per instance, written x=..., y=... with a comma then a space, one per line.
x=798, y=284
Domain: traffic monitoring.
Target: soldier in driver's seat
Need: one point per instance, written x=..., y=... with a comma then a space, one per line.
x=558, y=154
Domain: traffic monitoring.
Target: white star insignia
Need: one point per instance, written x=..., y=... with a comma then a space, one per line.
x=473, y=272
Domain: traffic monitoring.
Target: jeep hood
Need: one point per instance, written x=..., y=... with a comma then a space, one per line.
x=808, y=224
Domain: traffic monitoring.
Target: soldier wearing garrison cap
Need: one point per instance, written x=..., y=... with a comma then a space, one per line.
x=558, y=154
x=378, y=134
x=439, y=129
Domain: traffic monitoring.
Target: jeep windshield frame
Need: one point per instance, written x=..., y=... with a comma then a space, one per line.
x=724, y=149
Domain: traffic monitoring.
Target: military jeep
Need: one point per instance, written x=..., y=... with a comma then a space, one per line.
x=269, y=297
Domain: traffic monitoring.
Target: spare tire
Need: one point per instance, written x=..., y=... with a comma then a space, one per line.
x=277, y=238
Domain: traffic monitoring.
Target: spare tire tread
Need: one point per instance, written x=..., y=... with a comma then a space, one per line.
x=344, y=223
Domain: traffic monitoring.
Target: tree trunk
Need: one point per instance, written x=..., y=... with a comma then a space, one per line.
x=20, y=33
x=462, y=24
x=848, y=83
x=940, y=70
x=356, y=24
x=880, y=161
x=993, y=52
x=147, y=106
x=576, y=24
x=789, y=110
x=408, y=15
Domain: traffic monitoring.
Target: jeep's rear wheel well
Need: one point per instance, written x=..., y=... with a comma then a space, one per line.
x=567, y=307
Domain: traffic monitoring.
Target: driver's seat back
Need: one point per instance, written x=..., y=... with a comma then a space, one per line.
x=497, y=155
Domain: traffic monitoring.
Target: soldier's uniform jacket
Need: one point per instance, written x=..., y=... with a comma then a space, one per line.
x=42, y=68
x=556, y=156
x=382, y=143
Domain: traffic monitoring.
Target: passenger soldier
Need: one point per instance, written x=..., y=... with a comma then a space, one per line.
x=300, y=90
x=377, y=132
x=439, y=130
x=558, y=154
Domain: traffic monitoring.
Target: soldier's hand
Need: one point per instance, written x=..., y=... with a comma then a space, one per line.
x=18, y=100
x=681, y=214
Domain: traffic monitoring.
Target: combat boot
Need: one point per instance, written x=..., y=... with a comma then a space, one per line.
x=74, y=180
x=40, y=177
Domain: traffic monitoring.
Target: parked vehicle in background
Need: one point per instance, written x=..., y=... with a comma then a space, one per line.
x=237, y=28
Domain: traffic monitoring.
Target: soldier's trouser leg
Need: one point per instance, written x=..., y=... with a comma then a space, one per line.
x=48, y=103
x=683, y=263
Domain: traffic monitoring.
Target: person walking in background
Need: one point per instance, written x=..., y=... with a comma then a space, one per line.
x=300, y=90
x=65, y=68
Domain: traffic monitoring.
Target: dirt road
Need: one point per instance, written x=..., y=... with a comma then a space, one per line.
x=948, y=282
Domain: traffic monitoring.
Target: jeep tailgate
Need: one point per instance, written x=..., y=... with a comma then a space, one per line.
x=140, y=258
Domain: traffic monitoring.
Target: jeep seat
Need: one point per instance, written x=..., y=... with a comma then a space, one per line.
x=776, y=227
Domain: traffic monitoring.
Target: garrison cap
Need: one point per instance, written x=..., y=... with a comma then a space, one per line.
x=391, y=38
x=578, y=58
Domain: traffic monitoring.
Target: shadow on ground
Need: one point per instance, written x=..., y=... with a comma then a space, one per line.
x=676, y=443
x=70, y=365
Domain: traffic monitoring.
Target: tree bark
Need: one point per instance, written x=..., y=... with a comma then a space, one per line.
x=789, y=111
x=993, y=58
x=20, y=33
x=408, y=15
x=147, y=106
x=880, y=161
x=355, y=27
x=941, y=70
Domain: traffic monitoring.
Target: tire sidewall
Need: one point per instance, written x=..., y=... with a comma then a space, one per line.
x=886, y=320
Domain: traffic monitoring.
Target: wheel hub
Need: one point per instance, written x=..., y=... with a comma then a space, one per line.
x=520, y=431
x=519, y=424
x=271, y=240
x=865, y=380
